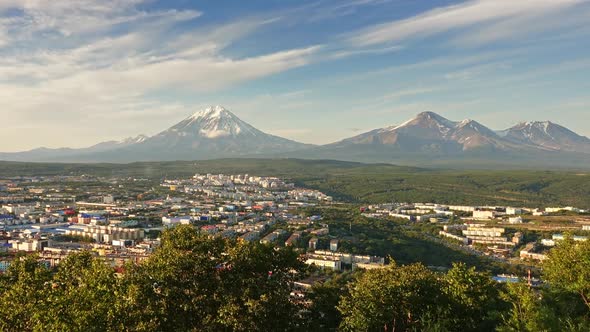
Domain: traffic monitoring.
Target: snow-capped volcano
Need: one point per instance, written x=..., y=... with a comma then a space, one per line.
x=431, y=138
x=214, y=122
x=547, y=135
x=427, y=121
x=210, y=133
x=430, y=131
x=214, y=132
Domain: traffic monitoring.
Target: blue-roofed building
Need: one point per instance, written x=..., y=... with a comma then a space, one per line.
x=4, y=266
x=506, y=279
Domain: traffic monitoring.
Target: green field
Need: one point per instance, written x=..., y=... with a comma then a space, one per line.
x=360, y=183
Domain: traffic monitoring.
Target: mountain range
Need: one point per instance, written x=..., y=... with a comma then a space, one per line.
x=427, y=140
x=430, y=132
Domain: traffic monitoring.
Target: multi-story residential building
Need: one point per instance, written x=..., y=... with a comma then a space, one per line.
x=328, y=262
x=106, y=234
x=313, y=243
x=513, y=211
x=334, y=245
x=484, y=215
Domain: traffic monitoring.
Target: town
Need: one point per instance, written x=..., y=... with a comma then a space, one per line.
x=120, y=220
x=497, y=231
x=44, y=216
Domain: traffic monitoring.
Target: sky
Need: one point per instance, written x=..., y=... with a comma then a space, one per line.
x=77, y=72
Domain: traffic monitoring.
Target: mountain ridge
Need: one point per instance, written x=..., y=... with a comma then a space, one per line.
x=431, y=128
x=211, y=133
x=215, y=132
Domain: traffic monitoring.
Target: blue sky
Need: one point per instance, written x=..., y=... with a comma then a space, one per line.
x=74, y=73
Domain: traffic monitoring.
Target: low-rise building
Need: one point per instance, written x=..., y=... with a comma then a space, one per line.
x=462, y=208
x=313, y=243
x=368, y=266
x=250, y=236
x=29, y=244
x=292, y=240
x=561, y=237
x=517, y=238
x=334, y=245
x=321, y=231
x=482, y=215
x=513, y=211
x=272, y=237
x=483, y=232
x=325, y=262
x=106, y=234
x=529, y=253
x=173, y=221
x=463, y=240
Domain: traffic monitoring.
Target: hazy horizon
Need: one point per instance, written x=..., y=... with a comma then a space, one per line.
x=312, y=143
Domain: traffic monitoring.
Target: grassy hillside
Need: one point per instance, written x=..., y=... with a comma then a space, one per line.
x=361, y=183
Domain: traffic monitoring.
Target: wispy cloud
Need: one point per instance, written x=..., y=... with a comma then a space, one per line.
x=478, y=71
x=332, y=9
x=350, y=52
x=503, y=16
x=74, y=91
x=56, y=19
x=407, y=92
x=122, y=67
x=92, y=69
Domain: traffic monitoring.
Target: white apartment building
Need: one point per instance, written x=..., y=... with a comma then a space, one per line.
x=483, y=232
x=106, y=234
x=513, y=211
x=484, y=214
x=462, y=208
x=325, y=262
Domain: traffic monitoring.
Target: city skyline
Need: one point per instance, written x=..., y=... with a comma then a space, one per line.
x=77, y=73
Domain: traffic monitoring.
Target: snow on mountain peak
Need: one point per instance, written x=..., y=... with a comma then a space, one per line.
x=426, y=118
x=213, y=122
x=136, y=139
x=465, y=122
x=392, y=128
x=211, y=112
x=528, y=127
x=538, y=124
x=436, y=118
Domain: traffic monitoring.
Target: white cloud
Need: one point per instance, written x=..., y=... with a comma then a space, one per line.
x=51, y=21
x=371, y=51
x=92, y=74
x=407, y=93
x=326, y=10
x=477, y=72
x=464, y=15
x=103, y=89
x=567, y=18
x=398, y=99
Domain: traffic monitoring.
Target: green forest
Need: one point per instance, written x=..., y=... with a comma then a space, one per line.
x=360, y=183
x=198, y=283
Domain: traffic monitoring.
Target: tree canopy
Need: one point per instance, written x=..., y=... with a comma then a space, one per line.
x=194, y=282
x=191, y=283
